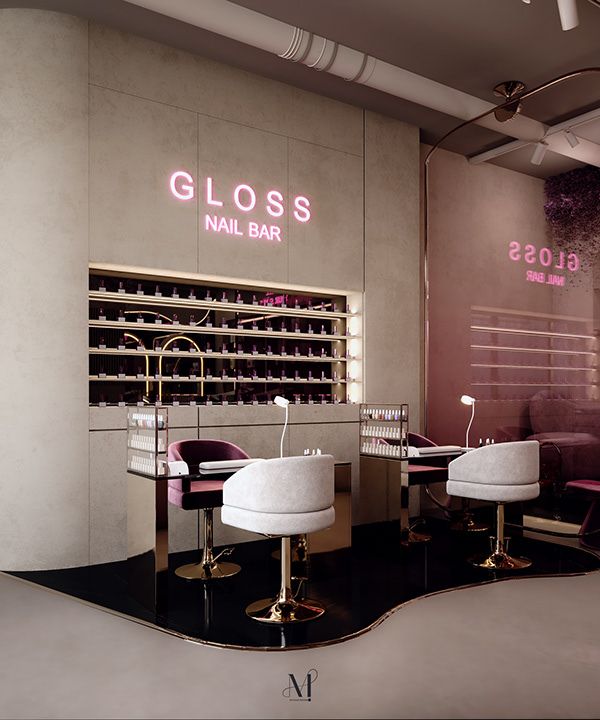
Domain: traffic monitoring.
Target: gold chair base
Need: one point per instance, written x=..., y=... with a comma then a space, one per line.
x=299, y=549
x=214, y=571
x=467, y=524
x=269, y=610
x=415, y=537
x=501, y=561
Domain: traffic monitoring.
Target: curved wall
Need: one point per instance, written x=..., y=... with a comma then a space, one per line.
x=44, y=513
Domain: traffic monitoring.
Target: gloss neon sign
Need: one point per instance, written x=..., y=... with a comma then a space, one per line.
x=244, y=198
x=551, y=260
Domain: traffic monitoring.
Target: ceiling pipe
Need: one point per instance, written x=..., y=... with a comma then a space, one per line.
x=319, y=53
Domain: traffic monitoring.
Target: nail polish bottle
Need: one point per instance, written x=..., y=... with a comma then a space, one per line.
x=224, y=323
x=121, y=288
x=296, y=305
x=192, y=319
x=140, y=317
x=208, y=347
x=296, y=351
x=101, y=286
x=283, y=326
x=157, y=291
x=269, y=351
x=101, y=314
x=102, y=343
x=310, y=330
x=283, y=350
x=208, y=295
x=224, y=297
x=121, y=316
x=297, y=327
x=121, y=343
x=238, y=298
x=238, y=322
x=254, y=350
x=175, y=294
x=192, y=295
x=224, y=349
x=240, y=349
x=175, y=319
x=323, y=352
x=121, y=373
x=323, y=331
x=254, y=300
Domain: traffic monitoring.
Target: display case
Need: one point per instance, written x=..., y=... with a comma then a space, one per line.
x=147, y=440
x=384, y=430
x=183, y=341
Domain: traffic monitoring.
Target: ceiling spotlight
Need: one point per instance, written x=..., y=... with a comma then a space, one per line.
x=567, y=10
x=538, y=153
x=572, y=139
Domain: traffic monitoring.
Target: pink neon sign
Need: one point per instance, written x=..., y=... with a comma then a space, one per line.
x=244, y=199
x=551, y=260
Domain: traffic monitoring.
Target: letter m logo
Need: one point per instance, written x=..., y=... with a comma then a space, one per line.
x=300, y=691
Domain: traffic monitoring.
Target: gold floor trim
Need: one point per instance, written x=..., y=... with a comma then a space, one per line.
x=323, y=643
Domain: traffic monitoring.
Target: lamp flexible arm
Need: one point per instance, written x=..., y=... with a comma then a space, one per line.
x=283, y=433
x=470, y=423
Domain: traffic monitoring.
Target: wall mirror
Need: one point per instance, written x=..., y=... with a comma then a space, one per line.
x=513, y=281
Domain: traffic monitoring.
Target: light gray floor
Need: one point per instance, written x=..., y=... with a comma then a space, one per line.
x=519, y=649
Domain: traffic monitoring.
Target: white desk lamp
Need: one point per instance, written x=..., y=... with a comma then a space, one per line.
x=468, y=400
x=282, y=402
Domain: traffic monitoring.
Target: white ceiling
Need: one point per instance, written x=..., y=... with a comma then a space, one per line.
x=470, y=45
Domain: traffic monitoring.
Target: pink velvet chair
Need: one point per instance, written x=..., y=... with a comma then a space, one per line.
x=202, y=495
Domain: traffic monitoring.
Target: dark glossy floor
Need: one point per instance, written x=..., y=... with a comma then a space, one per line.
x=358, y=585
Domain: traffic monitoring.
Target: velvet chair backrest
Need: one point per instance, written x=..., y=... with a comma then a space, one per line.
x=193, y=452
x=416, y=440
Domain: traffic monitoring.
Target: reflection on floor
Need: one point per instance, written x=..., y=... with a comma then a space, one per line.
x=358, y=585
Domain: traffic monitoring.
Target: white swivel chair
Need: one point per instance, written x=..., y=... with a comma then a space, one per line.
x=282, y=497
x=504, y=472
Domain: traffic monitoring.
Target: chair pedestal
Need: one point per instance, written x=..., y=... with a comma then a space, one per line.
x=209, y=567
x=466, y=522
x=285, y=608
x=499, y=559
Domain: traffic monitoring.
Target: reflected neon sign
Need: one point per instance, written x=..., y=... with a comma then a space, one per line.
x=243, y=198
x=554, y=262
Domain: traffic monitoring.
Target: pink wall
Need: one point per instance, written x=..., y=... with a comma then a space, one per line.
x=475, y=213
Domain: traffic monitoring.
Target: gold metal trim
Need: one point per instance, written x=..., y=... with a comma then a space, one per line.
x=160, y=359
x=308, y=646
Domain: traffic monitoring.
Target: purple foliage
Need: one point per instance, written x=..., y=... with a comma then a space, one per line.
x=572, y=210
